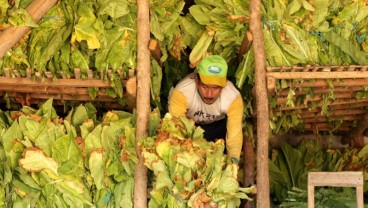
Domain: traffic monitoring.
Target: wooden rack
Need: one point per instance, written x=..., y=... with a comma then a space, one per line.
x=344, y=81
x=35, y=88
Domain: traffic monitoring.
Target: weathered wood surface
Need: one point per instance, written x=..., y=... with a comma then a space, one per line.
x=143, y=101
x=263, y=128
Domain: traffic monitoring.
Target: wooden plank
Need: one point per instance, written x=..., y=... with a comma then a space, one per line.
x=318, y=75
x=336, y=179
x=335, y=83
x=322, y=90
x=340, y=103
x=317, y=83
x=318, y=68
x=59, y=82
x=46, y=89
x=342, y=112
x=327, y=126
x=340, y=95
x=333, y=118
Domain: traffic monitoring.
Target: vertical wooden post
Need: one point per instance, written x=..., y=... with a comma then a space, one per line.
x=143, y=101
x=262, y=179
x=12, y=34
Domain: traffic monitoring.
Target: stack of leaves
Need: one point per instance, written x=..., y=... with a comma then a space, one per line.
x=78, y=161
x=319, y=32
x=188, y=170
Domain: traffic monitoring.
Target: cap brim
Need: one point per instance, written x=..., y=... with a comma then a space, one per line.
x=211, y=80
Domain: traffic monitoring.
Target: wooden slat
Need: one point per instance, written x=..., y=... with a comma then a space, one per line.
x=59, y=82
x=333, y=118
x=335, y=83
x=341, y=102
x=322, y=90
x=340, y=95
x=317, y=68
x=75, y=97
x=342, y=112
x=318, y=75
x=327, y=126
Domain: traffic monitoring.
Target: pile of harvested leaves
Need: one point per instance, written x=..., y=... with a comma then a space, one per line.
x=188, y=170
x=76, y=161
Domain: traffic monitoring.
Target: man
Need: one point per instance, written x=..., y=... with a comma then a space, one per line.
x=212, y=102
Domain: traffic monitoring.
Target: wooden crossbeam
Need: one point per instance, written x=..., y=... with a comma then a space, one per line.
x=347, y=82
x=58, y=82
x=350, y=95
x=339, y=103
x=342, y=112
x=318, y=75
x=326, y=126
x=321, y=90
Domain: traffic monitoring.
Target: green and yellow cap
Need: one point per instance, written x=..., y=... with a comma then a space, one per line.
x=212, y=70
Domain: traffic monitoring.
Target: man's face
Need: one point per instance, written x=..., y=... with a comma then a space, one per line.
x=208, y=93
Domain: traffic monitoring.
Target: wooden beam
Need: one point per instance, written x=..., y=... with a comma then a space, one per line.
x=12, y=34
x=342, y=112
x=143, y=101
x=326, y=127
x=263, y=128
x=353, y=103
x=333, y=118
x=318, y=75
x=59, y=82
x=322, y=90
x=341, y=95
x=317, y=83
x=318, y=68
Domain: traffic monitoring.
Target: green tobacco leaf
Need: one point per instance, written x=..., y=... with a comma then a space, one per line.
x=245, y=70
x=34, y=160
x=97, y=168
x=201, y=47
x=85, y=29
x=274, y=54
x=21, y=17
x=114, y=8
x=347, y=47
x=67, y=153
x=199, y=12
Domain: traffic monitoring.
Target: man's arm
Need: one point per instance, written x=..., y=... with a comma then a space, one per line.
x=177, y=103
x=234, y=126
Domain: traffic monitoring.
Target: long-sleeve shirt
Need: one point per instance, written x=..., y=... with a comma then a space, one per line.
x=184, y=100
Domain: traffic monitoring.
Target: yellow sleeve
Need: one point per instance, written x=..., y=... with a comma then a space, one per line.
x=177, y=103
x=234, y=126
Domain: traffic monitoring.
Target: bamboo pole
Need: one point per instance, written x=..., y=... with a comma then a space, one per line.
x=12, y=34
x=143, y=101
x=263, y=186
